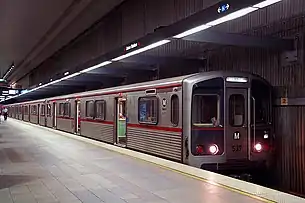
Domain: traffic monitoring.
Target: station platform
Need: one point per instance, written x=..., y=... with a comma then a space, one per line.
x=40, y=165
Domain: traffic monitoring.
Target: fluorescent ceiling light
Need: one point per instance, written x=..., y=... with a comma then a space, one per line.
x=105, y=63
x=232, y=16
x=192, y=31
x=266, y=3
x=154, y=45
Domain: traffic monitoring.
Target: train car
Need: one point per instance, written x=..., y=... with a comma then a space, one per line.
x=212, y=120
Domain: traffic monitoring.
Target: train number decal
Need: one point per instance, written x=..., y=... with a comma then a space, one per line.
x=236, y=148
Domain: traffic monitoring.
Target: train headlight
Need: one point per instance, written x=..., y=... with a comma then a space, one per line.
x=258, y=147
x=214, y=149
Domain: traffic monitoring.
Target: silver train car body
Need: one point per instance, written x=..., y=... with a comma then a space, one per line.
x=211, y=120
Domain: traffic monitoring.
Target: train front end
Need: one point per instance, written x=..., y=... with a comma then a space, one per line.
x=227, y=121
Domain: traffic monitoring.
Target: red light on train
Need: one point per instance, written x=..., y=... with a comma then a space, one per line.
x=214, y=149
x=199, y=149
x=258, y=147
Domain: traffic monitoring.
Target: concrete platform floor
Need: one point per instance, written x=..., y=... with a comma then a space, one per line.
x=38, y=165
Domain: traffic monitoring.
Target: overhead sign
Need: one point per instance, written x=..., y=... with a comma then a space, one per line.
x=223, y=8
x=132, y=46
x=284, y=101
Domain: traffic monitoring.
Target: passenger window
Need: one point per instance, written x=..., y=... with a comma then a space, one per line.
x=90, y=109
x=34, y=110
x=48, y=109
x=148, y=110
x=205, y=110
x=236, y=110
x=43, y=109
x=67, y=109
x=100, y=109
x=175, y=110
x=61, y=109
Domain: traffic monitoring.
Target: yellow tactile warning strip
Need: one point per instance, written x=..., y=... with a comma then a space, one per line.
x=153, y=160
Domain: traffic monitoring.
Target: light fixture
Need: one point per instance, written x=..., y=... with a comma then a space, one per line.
x=40, y=84
x=192, y=31
x=231, y=16
x=51, y=80
x=266, y=3
x=66, y=73
x=154, y=45
x=258, y=147
x=105, y=63
x=214, y=149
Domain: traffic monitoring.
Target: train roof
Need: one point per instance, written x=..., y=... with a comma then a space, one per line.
x=149, y=84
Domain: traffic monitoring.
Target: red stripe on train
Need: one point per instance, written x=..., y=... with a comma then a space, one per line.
x=97, y=121
x=150, y=127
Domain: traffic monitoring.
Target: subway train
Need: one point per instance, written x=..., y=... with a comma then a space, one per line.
x=212, y=120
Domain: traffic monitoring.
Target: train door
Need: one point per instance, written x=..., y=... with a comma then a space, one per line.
x=30, y=112
x=120, y=121
x=237, y=123
x=54, y=115
x=38, y=113
x=22, y=113
x=77, y=117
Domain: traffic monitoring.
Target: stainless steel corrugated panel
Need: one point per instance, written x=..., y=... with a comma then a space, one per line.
x=160, y=143
x=290, y=137
x=34, y=119
x=26, y=118
x=99, y=131
x=65, y=125
x=49, y=121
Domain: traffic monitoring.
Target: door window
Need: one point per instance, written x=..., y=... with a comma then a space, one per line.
x=236, y=110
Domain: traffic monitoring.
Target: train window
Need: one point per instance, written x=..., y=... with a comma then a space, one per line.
x=43, y=110
x=175, y=110
x=61, y=109
x=90, y=109
x=64, y=109
x=236, y=110
x=205, y=109
x=34, y=110
x=67, y=108
x=48, y=109
x=100, y=109
x=148, y=110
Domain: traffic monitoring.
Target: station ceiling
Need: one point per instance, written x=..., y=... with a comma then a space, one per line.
x=33, y=30
x=198, y=30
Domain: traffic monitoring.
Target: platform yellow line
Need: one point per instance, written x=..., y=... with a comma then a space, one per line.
x=113, y=149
